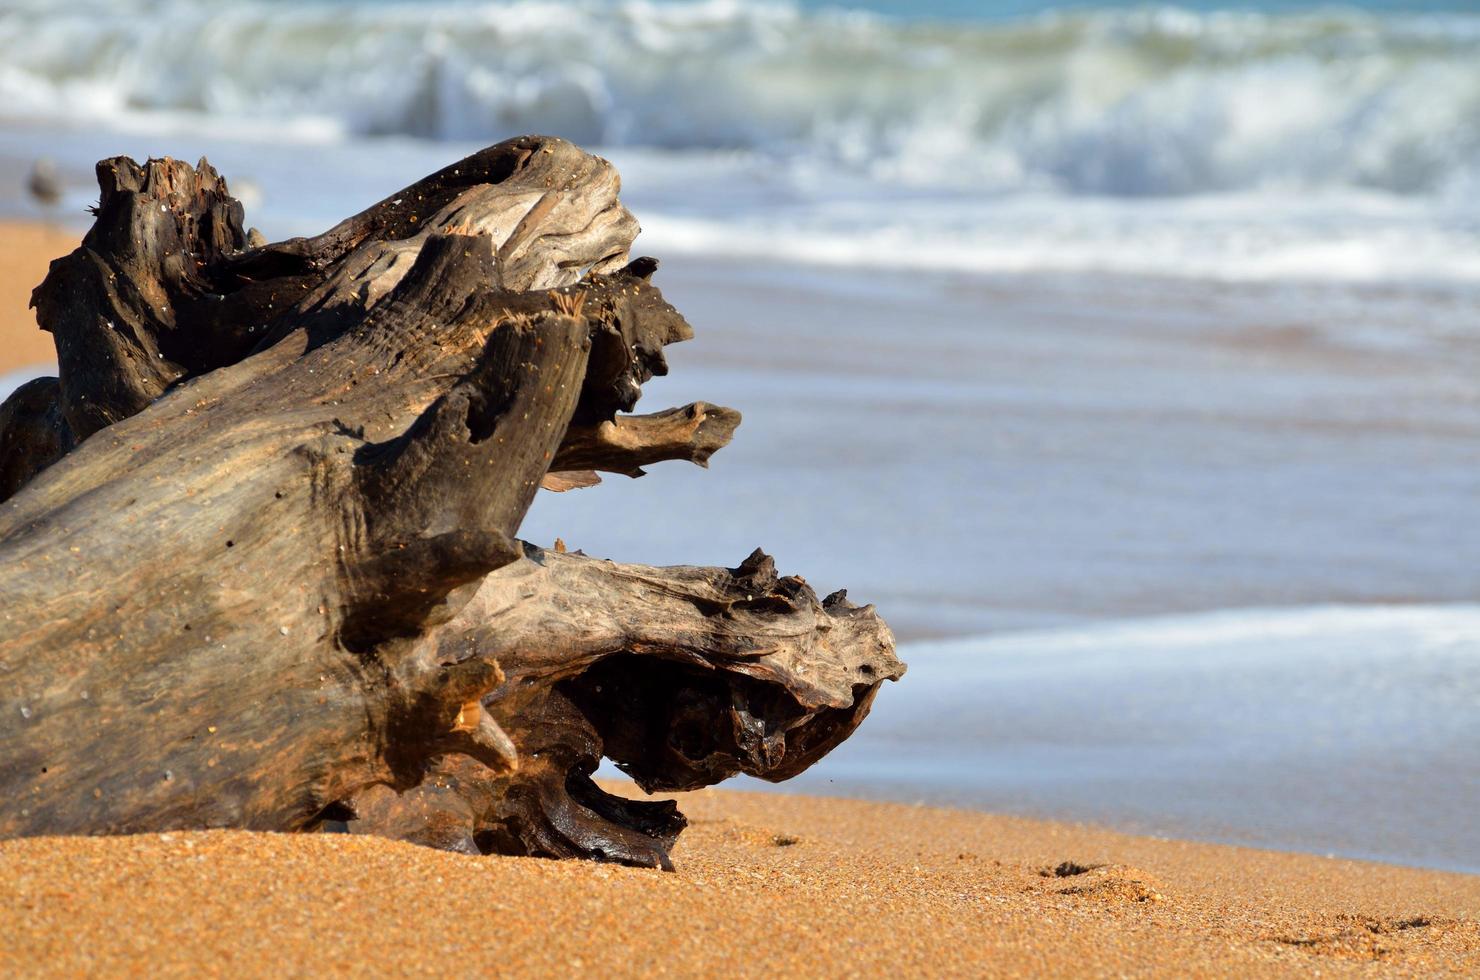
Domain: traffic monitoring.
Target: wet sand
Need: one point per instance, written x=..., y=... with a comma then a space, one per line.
x=764, y=884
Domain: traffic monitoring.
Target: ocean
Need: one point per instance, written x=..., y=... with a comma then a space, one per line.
x=1277, y=141
x=1125, y=355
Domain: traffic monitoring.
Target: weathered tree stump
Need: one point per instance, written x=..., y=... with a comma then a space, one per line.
x=258, y=564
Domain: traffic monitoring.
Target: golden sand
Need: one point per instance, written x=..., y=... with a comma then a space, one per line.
x=765, y=885
x=25, y=251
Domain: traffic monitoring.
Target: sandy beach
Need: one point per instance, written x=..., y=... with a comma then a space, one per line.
x=25, y=252
x=1122, y=355
x=765, y=883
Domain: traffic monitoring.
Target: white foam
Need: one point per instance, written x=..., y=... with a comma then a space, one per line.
x=1125, y=103
x=1334, y=147
x=1248, y=237
x=1209, y=640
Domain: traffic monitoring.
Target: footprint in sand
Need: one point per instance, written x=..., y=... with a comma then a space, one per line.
x=1368, y=937
x=1106, y=882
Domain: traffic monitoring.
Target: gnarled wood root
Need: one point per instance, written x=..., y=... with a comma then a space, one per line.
x=681, y=676
x=258, y=564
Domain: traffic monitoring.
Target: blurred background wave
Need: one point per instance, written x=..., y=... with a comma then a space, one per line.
x=1276, y=141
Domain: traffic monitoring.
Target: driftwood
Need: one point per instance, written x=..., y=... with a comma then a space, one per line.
x=258, y=564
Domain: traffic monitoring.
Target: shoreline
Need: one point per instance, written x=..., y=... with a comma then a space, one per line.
x=1089, y=565
x=764, y=883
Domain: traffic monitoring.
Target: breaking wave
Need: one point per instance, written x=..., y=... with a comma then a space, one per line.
x=1128, y=103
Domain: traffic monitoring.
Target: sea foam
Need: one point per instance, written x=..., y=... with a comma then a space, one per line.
x=1137, y=102
x=1332, y=146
